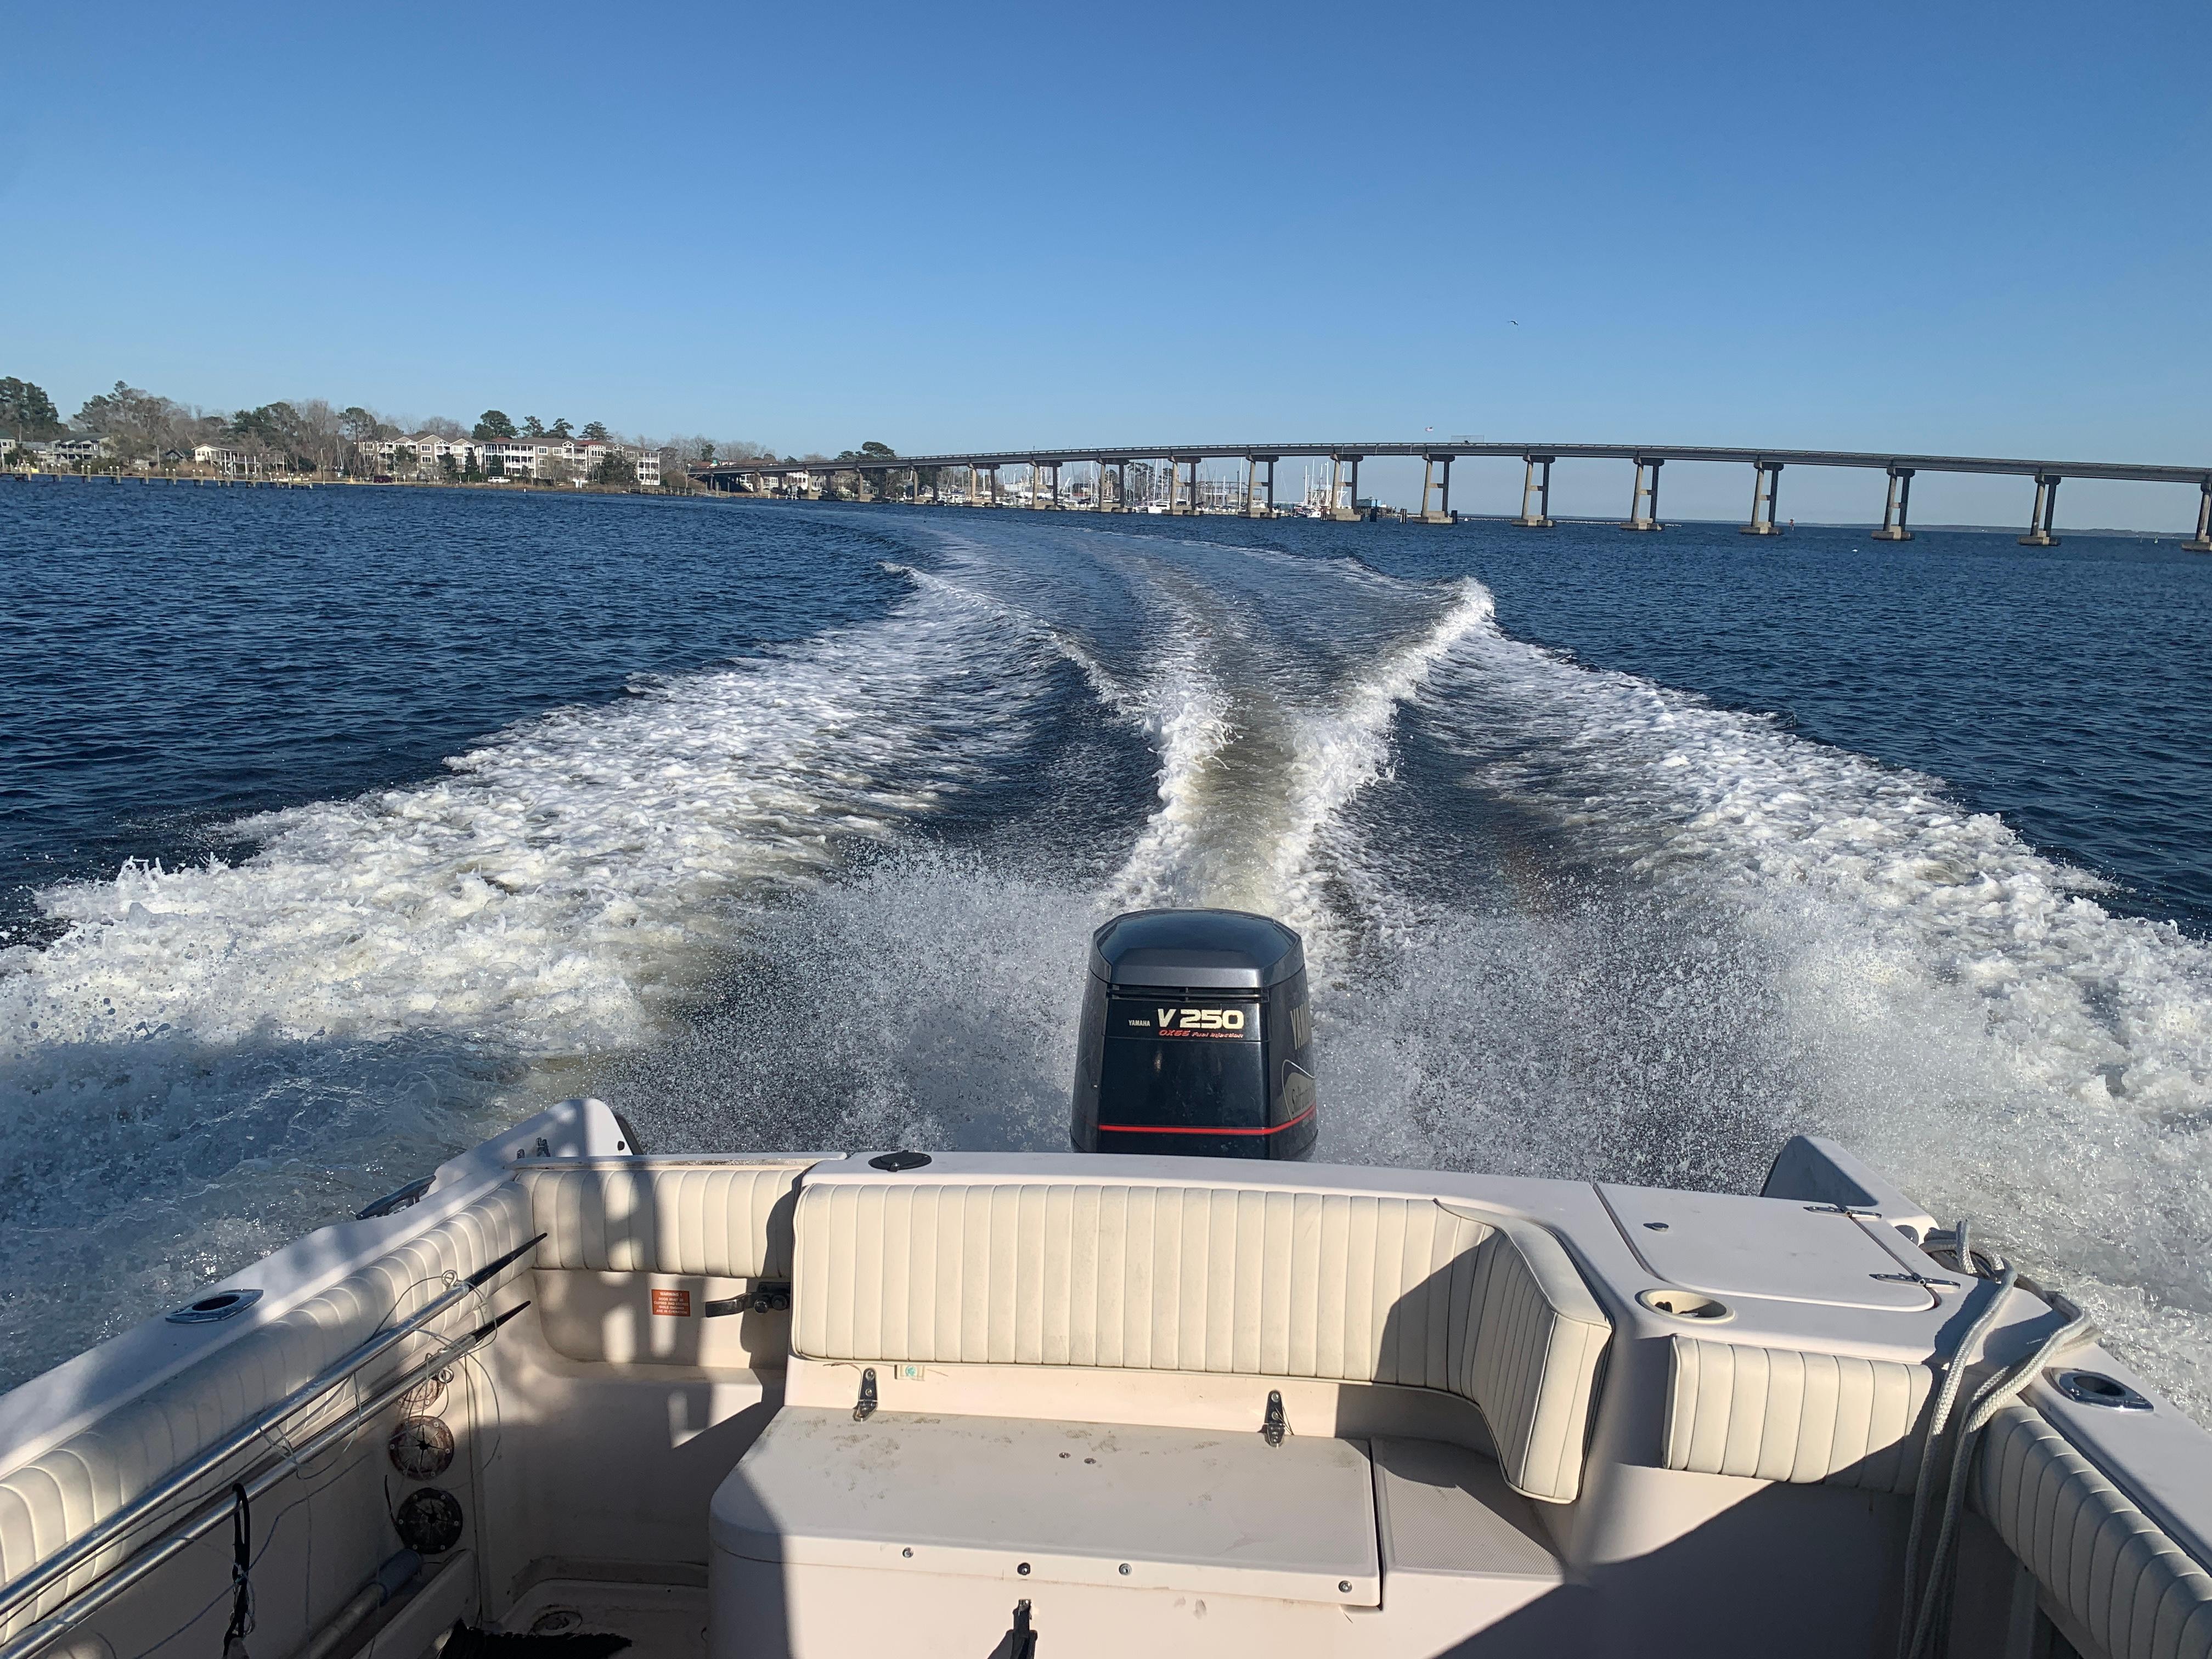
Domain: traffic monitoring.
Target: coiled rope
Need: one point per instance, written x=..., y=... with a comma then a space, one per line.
x=1914, y=1640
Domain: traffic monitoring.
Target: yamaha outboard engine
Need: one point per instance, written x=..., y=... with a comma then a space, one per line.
x=1197, y=1038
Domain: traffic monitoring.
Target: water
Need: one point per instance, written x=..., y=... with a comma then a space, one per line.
x=1620, y=857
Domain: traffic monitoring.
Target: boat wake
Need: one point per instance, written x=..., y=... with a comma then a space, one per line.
x=1563, y=922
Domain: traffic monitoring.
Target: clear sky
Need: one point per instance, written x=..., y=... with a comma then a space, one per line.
x=1983, y=228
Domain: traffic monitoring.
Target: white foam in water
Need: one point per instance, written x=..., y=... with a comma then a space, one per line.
x=211, y=1059
x=538, y=894
x=1238, y=828
x=1923, y=985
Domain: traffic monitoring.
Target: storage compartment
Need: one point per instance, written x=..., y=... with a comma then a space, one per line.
x=1034, y=1503
x=919, y=1535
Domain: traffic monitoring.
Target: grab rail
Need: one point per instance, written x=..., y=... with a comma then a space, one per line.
x=70, y=1556
x=398, y=1199
x=97, y=1595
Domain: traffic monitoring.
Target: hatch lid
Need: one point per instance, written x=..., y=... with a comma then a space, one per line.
x=1072, y=1502
x=1785, y=1249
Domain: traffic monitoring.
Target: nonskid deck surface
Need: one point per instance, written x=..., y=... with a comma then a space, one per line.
x=659, y=1621
x=811, y=1404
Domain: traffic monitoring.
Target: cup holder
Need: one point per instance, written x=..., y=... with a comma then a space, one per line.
x=1692, y=1306
x=217, y=1304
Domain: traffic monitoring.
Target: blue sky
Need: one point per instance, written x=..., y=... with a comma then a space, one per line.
x=1958, y=228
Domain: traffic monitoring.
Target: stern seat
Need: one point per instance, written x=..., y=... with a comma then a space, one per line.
x=999, y=1318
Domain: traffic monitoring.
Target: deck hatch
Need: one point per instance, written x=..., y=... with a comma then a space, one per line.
x=1079, y=1503
x=1729, y=1246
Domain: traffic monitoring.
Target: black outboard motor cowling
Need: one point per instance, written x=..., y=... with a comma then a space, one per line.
x=1197, y=1038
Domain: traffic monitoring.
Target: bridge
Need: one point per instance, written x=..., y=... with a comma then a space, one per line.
x=901, y=479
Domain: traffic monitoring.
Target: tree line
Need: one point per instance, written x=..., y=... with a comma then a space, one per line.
x=305, y=435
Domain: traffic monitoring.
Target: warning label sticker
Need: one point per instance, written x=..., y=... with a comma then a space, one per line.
x=677, y=1304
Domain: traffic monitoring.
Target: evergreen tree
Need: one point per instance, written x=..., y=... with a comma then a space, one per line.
x=26, y=411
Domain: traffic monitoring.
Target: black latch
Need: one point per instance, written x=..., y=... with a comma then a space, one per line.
x=1274, y=1428
x=761, y=1298
x=895, y=1162
x=1021, y=1640
x=865, y=1407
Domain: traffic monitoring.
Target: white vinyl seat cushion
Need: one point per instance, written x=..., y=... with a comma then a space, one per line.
x=2122, y=1581
x=1778, y=1415
x=1198, y=1277
x=725, y=1217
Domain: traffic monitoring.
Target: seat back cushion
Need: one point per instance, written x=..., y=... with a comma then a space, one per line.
x=1237, y=1279
x=1775, y=1414
x=2124, y=1583
x=718, y=1217
x=49, y=1502
x=1533, y=1361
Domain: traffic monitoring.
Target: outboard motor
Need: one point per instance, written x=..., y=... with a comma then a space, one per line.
x=1197, y=1038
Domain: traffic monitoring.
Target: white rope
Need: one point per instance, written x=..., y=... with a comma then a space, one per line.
x=1994, y=1394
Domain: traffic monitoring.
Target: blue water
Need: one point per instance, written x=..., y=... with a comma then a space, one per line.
x=176, y=659
x=339, y=827
x=2069, y=690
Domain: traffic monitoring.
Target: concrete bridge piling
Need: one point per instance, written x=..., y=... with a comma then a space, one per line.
x=1183, y=489
x=2046, y=507
x=1435, y=475
x=2202, y=543
x=1893, y=511
x=1252, y=464
x=1341, y=506
x=1643, y=506
x=1536, y=494
x=1765, y=483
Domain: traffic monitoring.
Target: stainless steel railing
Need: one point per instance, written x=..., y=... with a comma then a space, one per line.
x=63, y=1562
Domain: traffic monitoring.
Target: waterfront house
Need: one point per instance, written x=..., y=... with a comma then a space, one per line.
x=74, y=450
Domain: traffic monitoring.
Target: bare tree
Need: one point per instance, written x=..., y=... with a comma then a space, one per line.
x=138, y=424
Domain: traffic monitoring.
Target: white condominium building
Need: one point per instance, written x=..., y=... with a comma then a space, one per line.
x=571, y=459
x=425, y=452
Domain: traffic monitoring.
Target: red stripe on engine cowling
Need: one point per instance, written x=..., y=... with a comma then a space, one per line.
x=1182, y=1129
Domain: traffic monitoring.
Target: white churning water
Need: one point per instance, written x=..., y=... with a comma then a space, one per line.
x=1563, y=922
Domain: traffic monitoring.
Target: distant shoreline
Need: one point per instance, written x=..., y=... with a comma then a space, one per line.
x=504, y=489
x=486, y=486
